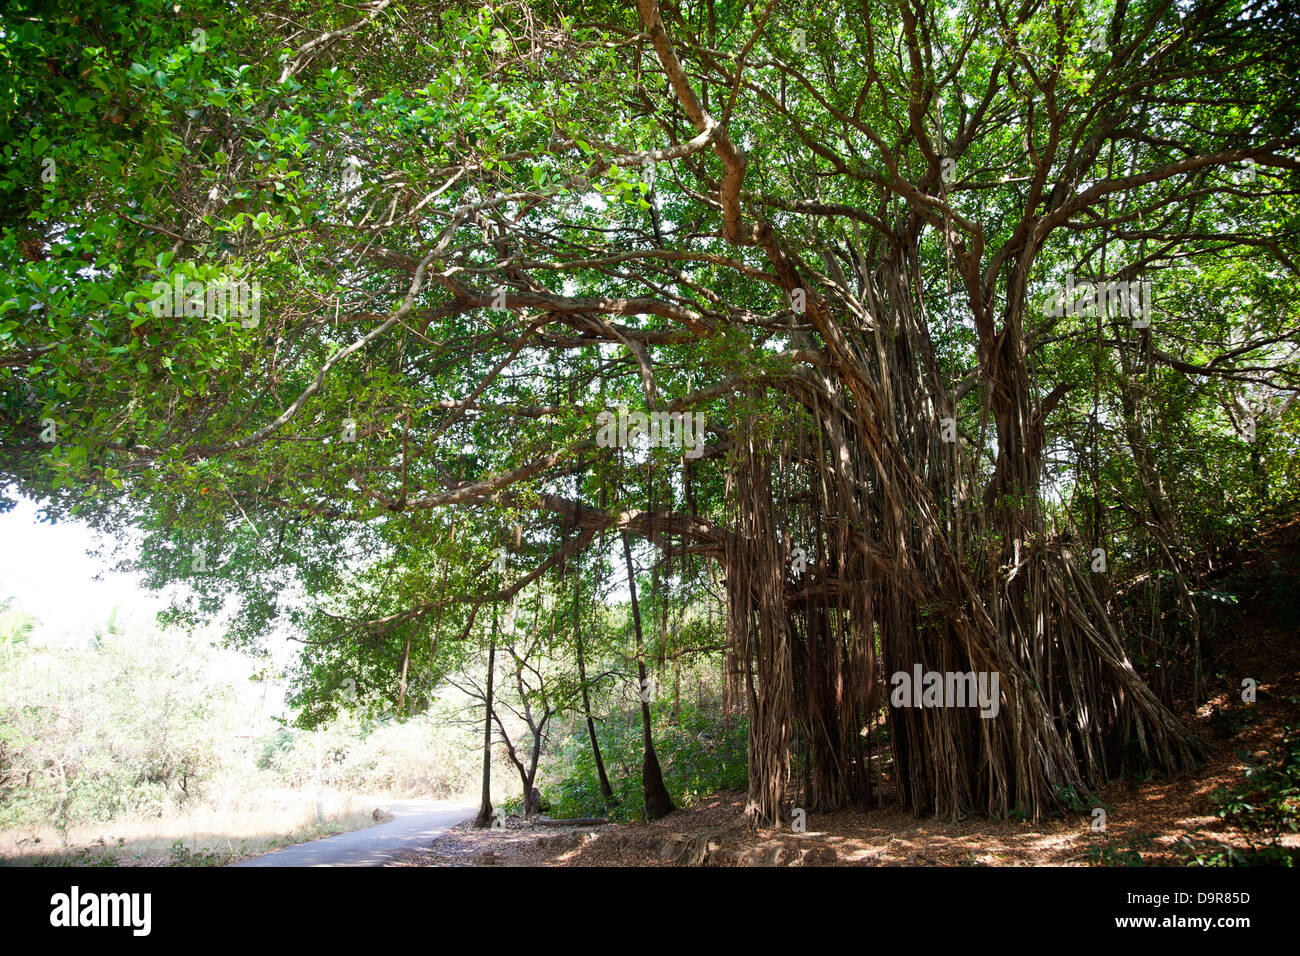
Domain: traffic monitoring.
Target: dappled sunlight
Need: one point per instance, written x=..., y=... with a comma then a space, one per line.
x=699, y=434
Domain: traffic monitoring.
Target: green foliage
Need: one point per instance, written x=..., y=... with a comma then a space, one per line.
x=124, y=725
x=275, y=749
x=1230, y=721
x=1128, y=853
x=137, y=724
x=427, y=757
x=1208, y=852
x=698, y=752
x=1283, y=592
x=1078, y=802
x=1267, y=799
x=1263, y=805
x=188, y=161
x=16, y=626
x=181, y=855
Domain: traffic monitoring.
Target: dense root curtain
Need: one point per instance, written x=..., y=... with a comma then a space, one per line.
x=867, y=544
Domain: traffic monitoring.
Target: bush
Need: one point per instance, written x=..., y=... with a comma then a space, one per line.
x=698, y=752
x=1267, y=800
x=123, y=726
x=149, y=724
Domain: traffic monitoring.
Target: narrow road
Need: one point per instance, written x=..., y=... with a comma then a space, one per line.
x=418, y=823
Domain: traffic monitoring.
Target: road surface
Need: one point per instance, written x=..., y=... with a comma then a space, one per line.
x=418, y=823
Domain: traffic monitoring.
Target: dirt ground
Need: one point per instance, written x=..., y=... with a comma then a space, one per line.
x=1152, y=823
x=1151, y=820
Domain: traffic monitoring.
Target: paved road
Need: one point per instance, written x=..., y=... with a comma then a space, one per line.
x=418, y=823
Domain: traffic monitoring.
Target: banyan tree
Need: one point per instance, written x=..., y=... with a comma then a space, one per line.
x=830, y=231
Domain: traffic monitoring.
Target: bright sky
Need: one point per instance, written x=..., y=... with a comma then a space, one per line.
x=47, y=568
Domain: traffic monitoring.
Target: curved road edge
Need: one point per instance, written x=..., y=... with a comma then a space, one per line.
x=417, y=823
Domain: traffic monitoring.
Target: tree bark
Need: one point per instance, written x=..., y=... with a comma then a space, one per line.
x=658, y=803
x=606, y=791
x=484, y=818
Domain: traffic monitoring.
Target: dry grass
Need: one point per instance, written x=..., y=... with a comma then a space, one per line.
x=206, y=836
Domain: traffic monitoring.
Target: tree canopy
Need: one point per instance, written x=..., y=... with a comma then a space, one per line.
x=859, y=247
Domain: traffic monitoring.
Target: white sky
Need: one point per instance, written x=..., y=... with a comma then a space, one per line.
x=47, y=568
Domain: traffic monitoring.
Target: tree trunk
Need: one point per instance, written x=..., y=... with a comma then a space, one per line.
x=657, y=802
x=484, y=818
x=606, y=791
x=864, y=479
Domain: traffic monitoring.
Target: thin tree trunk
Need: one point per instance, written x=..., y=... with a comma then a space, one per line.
x=484, y=817
x=606, y=791
x=657, y=802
